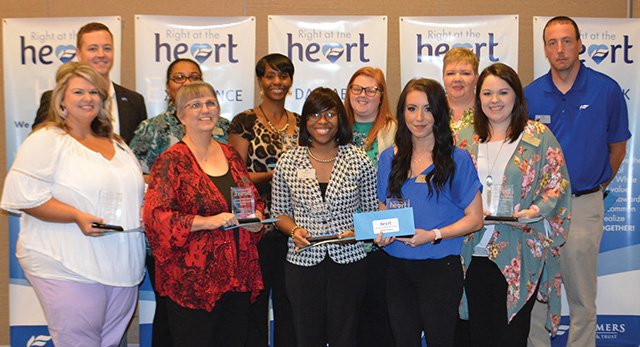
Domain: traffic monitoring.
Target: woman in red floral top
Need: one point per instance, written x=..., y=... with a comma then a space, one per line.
x=209, y=275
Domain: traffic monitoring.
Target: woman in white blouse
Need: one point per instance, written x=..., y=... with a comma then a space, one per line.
x=70, y=173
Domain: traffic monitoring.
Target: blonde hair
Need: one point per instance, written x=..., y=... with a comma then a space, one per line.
x=384, y=117
x=461, y=54
x=101, y=125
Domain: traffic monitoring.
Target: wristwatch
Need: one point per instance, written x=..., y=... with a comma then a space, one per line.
x=438, y=236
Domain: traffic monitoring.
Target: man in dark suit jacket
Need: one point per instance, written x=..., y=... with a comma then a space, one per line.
x=94, y=46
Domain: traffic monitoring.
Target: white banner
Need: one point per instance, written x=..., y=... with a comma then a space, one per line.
x=425, y=40
x=224, y=48
x=611, y=46
x=34, y=48
x=326, y=51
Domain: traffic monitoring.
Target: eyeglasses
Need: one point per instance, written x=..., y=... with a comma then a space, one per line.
x=197, y=105
x=369, y=91
x=182, y=78
x=329, y=115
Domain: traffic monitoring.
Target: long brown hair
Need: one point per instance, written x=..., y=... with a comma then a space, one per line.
x=384, y=117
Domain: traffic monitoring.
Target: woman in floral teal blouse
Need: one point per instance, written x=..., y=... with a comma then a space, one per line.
x=510, y=264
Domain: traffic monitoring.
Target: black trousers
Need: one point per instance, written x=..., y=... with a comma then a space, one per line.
x=160, y=333
x=326, y=299
x=272, y=250
x=374, y=327
x=486, y=290
x=225, y=326
x=423, y=295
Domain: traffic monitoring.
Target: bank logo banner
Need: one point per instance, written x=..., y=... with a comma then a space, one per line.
x=326, y=51
x=223, y=46
x=611, y=46
x=425, y=40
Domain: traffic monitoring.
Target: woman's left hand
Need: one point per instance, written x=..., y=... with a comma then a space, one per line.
x=419, y=238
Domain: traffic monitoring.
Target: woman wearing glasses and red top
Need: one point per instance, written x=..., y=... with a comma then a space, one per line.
x=374, y=128
x=317, y=187
x=152, y=137
x=209, y=275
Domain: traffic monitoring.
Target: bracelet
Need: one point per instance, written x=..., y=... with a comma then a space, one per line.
x=438, y=237
x=293, y=230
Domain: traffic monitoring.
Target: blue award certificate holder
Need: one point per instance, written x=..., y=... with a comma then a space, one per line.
x=392, y=222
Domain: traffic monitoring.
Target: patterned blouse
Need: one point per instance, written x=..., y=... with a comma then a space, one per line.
x=351, y=189
x=197, y=268
x=154, y=135
x=528, y=256
x=265, y=146
x=465, y=121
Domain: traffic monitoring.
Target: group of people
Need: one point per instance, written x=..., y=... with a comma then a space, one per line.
x=501, y=217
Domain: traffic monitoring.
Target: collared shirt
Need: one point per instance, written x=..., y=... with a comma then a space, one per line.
x=585, y=120
x=115, y=115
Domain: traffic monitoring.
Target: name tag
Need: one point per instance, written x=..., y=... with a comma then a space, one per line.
x=306, y=173
x=543, y=118
x=531, y=140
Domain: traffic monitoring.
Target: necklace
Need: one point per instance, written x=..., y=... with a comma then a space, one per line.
x=489, y=179
x=318, y=159
x=273, y=128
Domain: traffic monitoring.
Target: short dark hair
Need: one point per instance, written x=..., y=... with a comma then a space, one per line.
x=276, y=61
x=519, y=116
x=89, y=28
x=561, y=20
x=320, y=100
x=180, y=60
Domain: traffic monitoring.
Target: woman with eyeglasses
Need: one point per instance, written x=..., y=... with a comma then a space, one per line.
x=424, y=277
x=317, y=187
x=208, y=273
x=152, y=137
x=261, y=135
x=374, y=128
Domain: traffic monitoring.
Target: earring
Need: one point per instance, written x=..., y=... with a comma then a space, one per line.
x=261, y=93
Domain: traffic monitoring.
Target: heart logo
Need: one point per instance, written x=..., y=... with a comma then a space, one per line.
x=201, y=52
x=66, y=53
x=598, y=52
x=333, y=51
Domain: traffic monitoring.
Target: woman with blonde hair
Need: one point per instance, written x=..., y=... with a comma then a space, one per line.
x=71, y=173
x=459, y=74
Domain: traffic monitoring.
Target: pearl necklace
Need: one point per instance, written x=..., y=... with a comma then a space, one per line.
x=330, y=160
x=273, y=128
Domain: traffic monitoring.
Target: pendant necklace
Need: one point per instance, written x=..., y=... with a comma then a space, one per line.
x=318, y=159
x=489, y=180
x=284, y=129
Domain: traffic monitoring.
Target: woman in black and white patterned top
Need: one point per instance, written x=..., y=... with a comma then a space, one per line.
x=317, y=187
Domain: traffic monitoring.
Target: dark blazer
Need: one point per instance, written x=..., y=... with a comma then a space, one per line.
x=131, y=110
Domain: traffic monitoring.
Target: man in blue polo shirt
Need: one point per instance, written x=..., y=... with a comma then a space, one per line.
x=587, y=113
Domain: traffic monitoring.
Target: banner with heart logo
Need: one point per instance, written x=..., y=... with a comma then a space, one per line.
x=612, y=46
x=425, y=40
x=224, y=48
x=326, y=51
x=34, y=48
